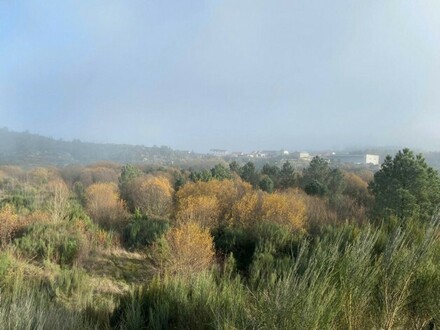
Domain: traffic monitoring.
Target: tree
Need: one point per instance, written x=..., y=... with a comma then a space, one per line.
x=316, y=188
x=286, y=209
x=273, y=172
x=104, y=205
x=153, y=195
x=247, y=210
x=287, y=176
x=266, y=184
x=357, y=189
x=185, y=250
x=235, y=167
x=210, y=199
x=250, y=174
x=203, y=175
x=220, y=172
x=128, y=174
x=320, y=179
x=203, y=210
x=405, y=186
x=318, y=170
x=179, y=181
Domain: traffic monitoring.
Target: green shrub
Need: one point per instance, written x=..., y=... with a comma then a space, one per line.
x=59, y=243
x=237, y=241
x=144, y=230
x=246, y=243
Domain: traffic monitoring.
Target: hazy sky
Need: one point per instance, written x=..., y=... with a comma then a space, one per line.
x=239, y=75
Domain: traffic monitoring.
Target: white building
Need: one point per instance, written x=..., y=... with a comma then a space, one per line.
x=372, y=159
x=219, y=152
x=304, y=155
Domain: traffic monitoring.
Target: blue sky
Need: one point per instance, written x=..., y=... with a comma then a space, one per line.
x=239, y=75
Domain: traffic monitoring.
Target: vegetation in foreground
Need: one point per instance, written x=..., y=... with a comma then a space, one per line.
x=231, y=247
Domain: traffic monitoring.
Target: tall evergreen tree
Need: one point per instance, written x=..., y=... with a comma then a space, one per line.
x=287, y=176
x=405, y=186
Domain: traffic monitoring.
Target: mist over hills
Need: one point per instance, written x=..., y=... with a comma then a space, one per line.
x=24, y=148
x=28, y=149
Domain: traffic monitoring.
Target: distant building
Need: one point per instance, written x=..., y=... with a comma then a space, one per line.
x=219, y=152
x=372, y=159
x=258, y=154
x=304, y=155
x=285, y=152
x=354, y=158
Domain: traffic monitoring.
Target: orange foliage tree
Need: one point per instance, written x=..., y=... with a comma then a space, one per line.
x=205, y=210
x=152, y=195
x=104, y=205
x=247, y=209
x=287, y=209
x=209, y=203
x=97, y=174
x=184, y=250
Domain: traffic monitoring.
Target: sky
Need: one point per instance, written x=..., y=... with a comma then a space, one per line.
x=239, y=75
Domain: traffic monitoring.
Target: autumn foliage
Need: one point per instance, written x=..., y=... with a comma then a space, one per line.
x=152, y=195
x=104, y=205
x=209, y=203
x=205, y=210
x=287, y=209
x=184, y=250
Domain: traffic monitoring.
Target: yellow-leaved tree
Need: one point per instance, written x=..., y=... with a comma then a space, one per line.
x=247, y=210
x=209, y=203
x=287, y=209
x=184, y=250
x=104, y=205
x=152, y=195
x=205, y=210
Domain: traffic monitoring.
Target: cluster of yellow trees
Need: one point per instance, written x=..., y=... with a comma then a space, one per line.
x=234, y=202
x=197, y=208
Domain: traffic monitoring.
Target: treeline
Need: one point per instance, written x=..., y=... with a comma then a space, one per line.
x=143, y=247
x=26, y=149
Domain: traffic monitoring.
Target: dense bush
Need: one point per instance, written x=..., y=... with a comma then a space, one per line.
x=184, y=250
x=104, y=205
x=57, y=243
x=144, y=230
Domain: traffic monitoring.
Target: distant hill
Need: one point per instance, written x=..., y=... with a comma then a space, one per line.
x=35, y=150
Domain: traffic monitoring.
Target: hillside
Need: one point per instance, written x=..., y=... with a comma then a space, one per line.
x=35, y=150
